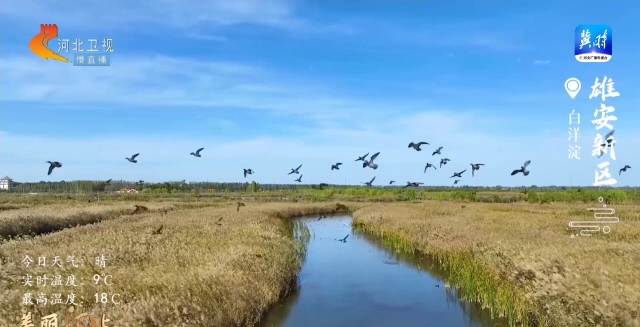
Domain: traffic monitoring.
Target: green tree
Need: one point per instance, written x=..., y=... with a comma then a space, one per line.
x=253, y=187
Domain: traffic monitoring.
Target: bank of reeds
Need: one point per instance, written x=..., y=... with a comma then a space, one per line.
x=589, y=196
x=519, y=260
x=208, y=266
x=6, y=206
x=224, y=267
x=38, y=220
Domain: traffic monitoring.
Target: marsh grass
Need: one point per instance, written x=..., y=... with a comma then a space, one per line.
x=38, y=220
x=214, y=266
x=518, y=260
x=201, y=271
x=5, y=207
x=470, y=280
x=300, y=233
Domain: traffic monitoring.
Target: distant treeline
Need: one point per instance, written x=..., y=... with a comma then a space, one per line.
x=84, y=186
x=325, y=192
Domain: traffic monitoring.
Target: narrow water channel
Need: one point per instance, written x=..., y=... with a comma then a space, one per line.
x=359, y=283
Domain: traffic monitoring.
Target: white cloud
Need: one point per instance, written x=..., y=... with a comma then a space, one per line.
x=199, y=18
x=207, y=37
x=465, y=140
x=454, y=34
x=221, y=123
x=482, y=92
x=177, y=13
x=541, y=62
x=188, y=15
x=164, y=81
x=346, y=128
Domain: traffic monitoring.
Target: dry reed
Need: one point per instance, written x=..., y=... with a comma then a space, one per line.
x=45, y=219
x=216, y=266
x=519, y=259
x=199, y=271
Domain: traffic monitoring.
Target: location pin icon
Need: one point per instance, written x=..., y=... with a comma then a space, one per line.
x=572, y=85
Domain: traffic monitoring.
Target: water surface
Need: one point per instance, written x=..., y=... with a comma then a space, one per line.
x=359, y=283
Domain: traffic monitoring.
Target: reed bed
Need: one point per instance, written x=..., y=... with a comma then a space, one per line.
x=215, y=265
x=7, y=206
x=43, y=219
x=207, y=267
x=519, y=260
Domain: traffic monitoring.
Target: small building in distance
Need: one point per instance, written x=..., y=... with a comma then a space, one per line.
x=6, y=183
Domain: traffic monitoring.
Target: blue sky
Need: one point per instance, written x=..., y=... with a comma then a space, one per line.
x=270, y=85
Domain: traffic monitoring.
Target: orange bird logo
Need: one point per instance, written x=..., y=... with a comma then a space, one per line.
x=39, y=45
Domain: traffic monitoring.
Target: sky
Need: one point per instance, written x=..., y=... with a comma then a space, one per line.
x=270, y=85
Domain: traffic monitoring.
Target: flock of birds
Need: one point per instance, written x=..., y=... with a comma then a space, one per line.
x=371, y=163
x=366, y=163
x=417, y=146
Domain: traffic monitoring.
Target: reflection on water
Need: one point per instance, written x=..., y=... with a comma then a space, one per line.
x=359, y=283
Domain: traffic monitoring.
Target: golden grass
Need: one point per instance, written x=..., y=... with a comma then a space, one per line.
x=200, y=271
x=519, y=258
x=7, y=206
x=37, y=220
x=215, y=265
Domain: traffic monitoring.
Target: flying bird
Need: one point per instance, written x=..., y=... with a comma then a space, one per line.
x=343, y=240
x=158, y=231
x=391, y=182
x=140, y=182
x=240, y=204
x=458, y=174
x=475, y=167
x=412, y=184
x=456, y=181
x=197, y=153
x=247, y=171
x=427, y=166
x=522, y=169
x=52, y=165
x=295, y=171
x=108, y=182
x=444, y=161
x=437, y=151
x=416, y=146
x=299, y=180
x=369, y=163
x=370, y=182
x=624, y=169
x=219, y=222
x=133, y=158
x=336, y=166
x=363, y=158
x=607, y=139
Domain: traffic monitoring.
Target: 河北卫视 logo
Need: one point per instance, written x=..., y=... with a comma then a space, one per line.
x=39, y=45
